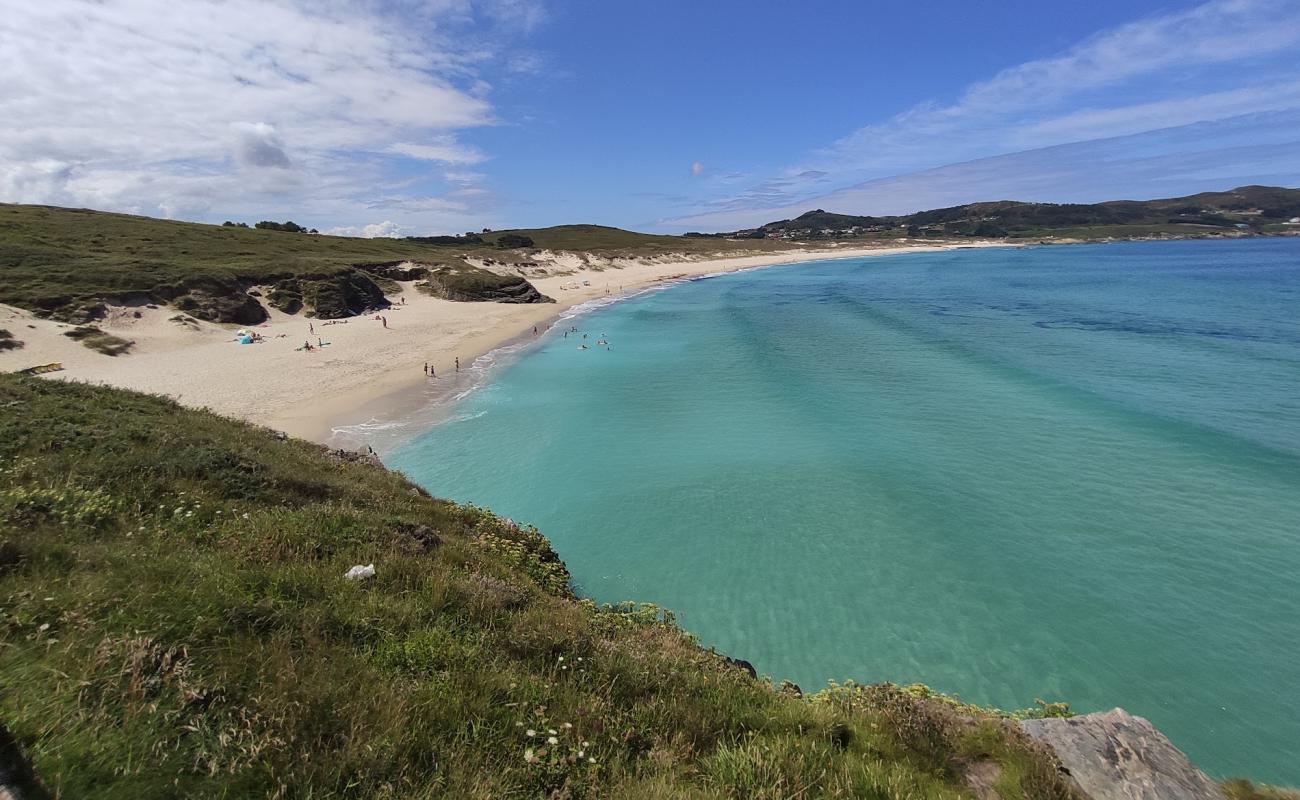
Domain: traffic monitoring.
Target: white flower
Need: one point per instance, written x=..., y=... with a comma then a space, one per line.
x=586, y=744
x=552, y=731
x=528, y=755
x=568, y=725
x=581, y=753
x=531, y=732
x=552, y=740
x=591, y=760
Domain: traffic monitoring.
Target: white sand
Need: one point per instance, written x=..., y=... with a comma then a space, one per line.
x=305, y=393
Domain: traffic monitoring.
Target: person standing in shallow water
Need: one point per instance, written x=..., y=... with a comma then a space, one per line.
x=458, y=363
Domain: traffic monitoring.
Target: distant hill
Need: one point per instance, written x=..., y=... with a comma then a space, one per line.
x=1256, y=209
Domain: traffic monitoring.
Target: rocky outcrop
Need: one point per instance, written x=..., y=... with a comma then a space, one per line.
x=214, y=299
x=1117, y=756
x=480, y=285
x=396, y=270
x=332, y=296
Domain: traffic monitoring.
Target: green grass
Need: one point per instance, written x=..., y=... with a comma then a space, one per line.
x=176, y=624
x=616, y=241
x=53, y=258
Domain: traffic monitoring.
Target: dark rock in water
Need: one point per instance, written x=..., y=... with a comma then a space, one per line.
x=1117, y=756
x=480, y=285
x=742, y=664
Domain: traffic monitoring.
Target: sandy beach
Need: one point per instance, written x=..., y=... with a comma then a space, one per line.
x=364, y=369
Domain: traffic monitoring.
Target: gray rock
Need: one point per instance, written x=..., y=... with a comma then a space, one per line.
x=1114, y=755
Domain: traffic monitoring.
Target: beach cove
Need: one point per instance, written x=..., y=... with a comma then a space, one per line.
x=367, y=369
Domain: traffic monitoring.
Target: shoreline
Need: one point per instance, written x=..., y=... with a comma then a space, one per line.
x=366, y=370
x=400, y=407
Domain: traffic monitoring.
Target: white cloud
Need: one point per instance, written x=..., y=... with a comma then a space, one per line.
x=1133, y=60
x=463, y=177
x=375, y=230
x=1251, y=149
x=443, y=149
x=230, y=106
x=1221, y=59
x=257, y=146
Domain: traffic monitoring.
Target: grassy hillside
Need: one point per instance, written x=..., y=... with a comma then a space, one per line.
x=47, y=254
x=177, y=624
x=61, y=258
x=1261, y=209
x=616, y=241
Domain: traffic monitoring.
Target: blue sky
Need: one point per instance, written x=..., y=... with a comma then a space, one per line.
x=408, y=117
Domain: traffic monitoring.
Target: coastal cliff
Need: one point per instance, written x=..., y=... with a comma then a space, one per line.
x=179, y=617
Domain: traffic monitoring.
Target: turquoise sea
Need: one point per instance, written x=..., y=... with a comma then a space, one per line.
x=1069, y=473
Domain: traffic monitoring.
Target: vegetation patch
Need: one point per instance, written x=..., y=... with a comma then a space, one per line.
x=99, y=341
x=8, y=341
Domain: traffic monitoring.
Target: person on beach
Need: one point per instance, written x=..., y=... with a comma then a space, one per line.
x=306, y=346
x=426, y=368
x=311, y=328
x=385, y=321
x=458, y=363
x=319, y=343
x=534, y=330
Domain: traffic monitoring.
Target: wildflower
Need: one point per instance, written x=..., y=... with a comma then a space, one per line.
x=586, y=744
x=581, y=753
x=528, y=756
x=552, y=731
x=531, y=732
x=568, y=725
x=561, y=658
x=591, y=760
x=519, y=724
x=552, y=740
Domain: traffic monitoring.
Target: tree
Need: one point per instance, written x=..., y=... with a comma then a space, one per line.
x=509, y=241
x=290, y=226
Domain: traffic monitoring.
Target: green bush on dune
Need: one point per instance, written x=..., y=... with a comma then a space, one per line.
x=176, y=615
